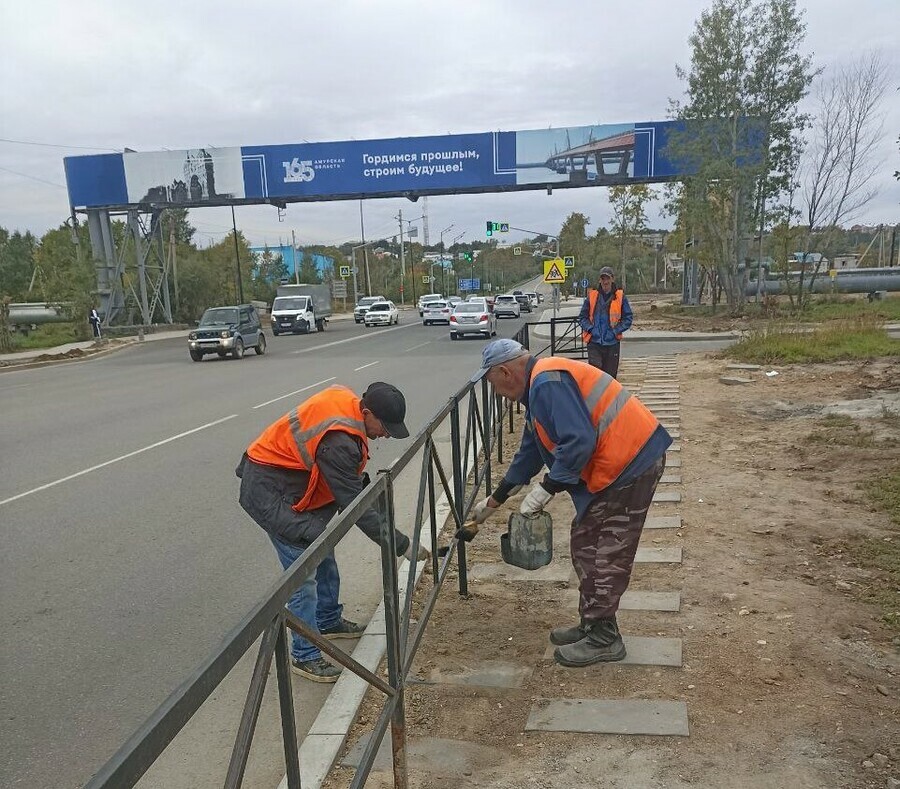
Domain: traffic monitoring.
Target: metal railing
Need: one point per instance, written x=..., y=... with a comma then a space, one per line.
x=564, y=338
x=474, y=435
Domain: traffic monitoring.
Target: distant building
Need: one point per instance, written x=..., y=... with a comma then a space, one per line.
x=293, y=258
x=850, y=260
x=811, y=260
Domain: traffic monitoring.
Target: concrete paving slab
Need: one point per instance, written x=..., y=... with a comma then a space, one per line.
x=643, y=651
x=670, y=554
x=666, y=497
x=673, y=462
x=602, y=716
x=674, y=448
x=675, y=433
x=632, y=600
x=486, y=674
x=663, y=522
x=498, y=571
x=742, y=367
x=670, y=479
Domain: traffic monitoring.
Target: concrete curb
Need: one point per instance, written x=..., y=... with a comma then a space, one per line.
x=27, y=364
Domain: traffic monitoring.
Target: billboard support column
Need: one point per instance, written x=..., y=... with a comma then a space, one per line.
x=237, y=259
x=141, y=259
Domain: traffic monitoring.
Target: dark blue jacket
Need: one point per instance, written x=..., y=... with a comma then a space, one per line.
x=601, y=332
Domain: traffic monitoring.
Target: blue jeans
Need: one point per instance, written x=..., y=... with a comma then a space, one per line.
x=316, y=602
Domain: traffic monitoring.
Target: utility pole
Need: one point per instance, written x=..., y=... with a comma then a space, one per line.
x=294, y=257
x=443, y=267
x=402, y=260
x=237, y=258
x=362, y=230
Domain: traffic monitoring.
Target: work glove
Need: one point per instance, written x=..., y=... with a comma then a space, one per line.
x=483, y=510
x=421, y=556
x=536, y=499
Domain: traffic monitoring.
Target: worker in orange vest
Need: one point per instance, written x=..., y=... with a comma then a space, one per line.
x=607, y=451
x=304, y=469
x=605, y=315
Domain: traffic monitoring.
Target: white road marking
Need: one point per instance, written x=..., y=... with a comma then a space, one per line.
x=370, y=364
x=115, y=460
x=420, y=345
x=296, y=391
x=378, y=333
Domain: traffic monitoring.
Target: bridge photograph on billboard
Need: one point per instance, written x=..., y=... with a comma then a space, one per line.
x=577, y=156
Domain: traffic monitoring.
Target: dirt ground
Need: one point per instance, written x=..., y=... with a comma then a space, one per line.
x=791, y=660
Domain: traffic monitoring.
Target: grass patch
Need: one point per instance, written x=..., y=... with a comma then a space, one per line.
x=882, y=557
x=46, y=336
x=885, y=492
x=859, y=339
x=830, y=309
x=841, y=431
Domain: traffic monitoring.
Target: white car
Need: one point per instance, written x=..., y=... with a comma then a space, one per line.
x=507, y=305
x=363, y=305
x=382, y=313
x=472, y=317
x=534, y=299
x=428, y=297
x=436, y=312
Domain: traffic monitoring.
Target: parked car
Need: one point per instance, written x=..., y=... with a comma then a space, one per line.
x=436, y=312
x=524, y=302
x=506, y=306
x=382, y=313
x=428, y=297
x=227, y=331
x=472, y=317
x=362, y=307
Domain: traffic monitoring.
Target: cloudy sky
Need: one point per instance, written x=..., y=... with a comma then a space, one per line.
x=108, y=74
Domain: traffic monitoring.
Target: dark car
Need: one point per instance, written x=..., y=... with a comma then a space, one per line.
x=227, y=331
x=524, y=301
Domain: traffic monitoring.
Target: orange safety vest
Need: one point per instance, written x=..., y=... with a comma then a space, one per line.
x=624, y=424
x=292, y=441
x=615, y=311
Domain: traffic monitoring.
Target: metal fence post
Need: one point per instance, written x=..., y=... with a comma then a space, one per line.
x=486, y=434
x=286, y=704
x=553, y=338
x=394, y=651
x=458, y=492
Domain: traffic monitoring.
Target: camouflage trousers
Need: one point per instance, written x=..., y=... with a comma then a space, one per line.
x=605, y=539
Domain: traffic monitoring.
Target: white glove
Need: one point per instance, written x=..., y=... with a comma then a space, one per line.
x=421, y=556
x=536, y=499
x=483, y=511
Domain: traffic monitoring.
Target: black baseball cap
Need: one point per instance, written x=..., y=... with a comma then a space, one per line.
x=389, y=406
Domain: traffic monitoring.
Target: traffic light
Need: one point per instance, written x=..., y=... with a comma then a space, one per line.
x=467, y=256
x=496, y=227
x=491, y=226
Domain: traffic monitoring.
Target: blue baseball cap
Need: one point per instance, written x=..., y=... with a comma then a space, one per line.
x=498, y=352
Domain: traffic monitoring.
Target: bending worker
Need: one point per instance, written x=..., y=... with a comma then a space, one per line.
x=605, y=315
x=297, y=476
x=607, y=451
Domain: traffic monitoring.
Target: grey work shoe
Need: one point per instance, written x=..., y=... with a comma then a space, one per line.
x=567, y=635
x=601, y=644
x=344, y=629
x=318, y=670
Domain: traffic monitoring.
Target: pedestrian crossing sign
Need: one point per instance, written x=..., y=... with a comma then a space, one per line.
x=554, y=271
x=345, y=271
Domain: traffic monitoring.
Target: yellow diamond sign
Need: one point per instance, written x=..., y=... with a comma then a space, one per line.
x=554, y=271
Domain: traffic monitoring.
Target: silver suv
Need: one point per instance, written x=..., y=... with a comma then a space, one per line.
x=507, y=306
x=227, y=331
x=362, y=307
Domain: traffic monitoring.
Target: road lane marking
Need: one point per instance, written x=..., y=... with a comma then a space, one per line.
x=115, y=460
x=378, y=333
x=420, y=345
x=370, y=364
x=296, y=391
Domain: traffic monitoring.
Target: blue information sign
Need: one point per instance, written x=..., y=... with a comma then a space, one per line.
x=584, y=283
x=470, y=284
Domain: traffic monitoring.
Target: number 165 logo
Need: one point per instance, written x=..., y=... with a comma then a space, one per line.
x=296, y=171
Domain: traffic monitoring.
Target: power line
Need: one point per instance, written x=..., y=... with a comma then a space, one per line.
x=54, y=145
x=32, y=177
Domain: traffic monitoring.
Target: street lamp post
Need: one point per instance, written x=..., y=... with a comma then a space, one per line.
x=353, y=270
x=443, y=267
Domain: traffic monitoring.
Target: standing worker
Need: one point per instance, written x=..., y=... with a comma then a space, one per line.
x=603, y=447
x=304, y=469
x=605, y=315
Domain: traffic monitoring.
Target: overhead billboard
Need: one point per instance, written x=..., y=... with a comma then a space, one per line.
x=404, y=166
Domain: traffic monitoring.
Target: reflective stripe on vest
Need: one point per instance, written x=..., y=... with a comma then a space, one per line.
x=292, y=441
x=615, y=311
x=624, y=424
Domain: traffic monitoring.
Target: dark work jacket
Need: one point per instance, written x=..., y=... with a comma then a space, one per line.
x=268, y=493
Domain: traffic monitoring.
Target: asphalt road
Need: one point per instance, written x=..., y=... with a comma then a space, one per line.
x=125, y=554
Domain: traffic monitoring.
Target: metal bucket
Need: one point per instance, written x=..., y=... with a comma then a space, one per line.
x=528, y=542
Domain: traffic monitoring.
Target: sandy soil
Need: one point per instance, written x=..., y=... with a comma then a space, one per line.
x=791, y=675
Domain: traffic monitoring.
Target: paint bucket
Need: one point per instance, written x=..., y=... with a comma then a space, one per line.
x=528, y=542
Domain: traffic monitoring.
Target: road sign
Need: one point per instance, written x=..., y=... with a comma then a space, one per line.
x=554, y=271
x=339, y=289
x=470, y=284
x=517, y=250
x=426, y=280
x=584, y=283
x=569, y=261
x=345, y=271
x=504, y=227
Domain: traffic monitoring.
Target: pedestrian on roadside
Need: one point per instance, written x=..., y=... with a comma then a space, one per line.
x=607, y=451
x=94, y=318
x=304, y=469
x=605, y=315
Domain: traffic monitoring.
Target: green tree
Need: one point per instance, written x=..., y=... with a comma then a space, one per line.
x=67, y=275
x=629, y=217
x=746, y=69
x=16, y=263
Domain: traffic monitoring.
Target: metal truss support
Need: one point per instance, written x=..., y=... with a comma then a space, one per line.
x=133, y=275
